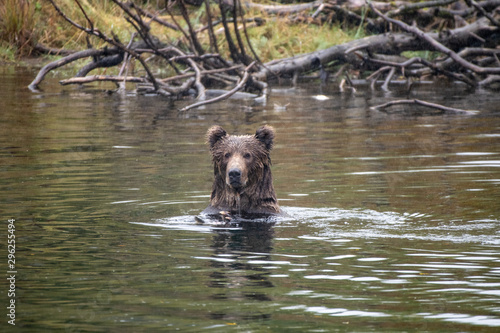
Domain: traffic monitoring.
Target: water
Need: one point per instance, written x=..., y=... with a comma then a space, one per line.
x=395, y=217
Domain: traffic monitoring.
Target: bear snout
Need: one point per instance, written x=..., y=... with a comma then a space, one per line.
x=236, y=174
x=234, y=177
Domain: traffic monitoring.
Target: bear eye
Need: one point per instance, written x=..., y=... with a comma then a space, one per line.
x=227, y=155
x=247, y=155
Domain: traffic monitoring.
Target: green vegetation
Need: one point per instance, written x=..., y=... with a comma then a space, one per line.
x=17, y=26
x=279, y=39
x=25, y=23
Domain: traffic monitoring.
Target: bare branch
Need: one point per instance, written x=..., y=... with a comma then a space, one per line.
x=238, y=87
x=283, y=9
x=422, y=103
x=388, y=79
x=418, y=5
x=213, y=39
x=109, y=78
x=205, y=72
x=97, y=33
x=192, y=34
x=380, y=54
x=437, y=46
x=433, y=67
x=66, y=60
x=483, y=12
x=154, y=17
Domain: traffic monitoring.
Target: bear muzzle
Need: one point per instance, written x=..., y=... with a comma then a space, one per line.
x=236, y=172
x=234, y=178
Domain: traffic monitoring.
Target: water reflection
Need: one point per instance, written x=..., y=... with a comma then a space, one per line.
x=237, y=275
x=252, y=237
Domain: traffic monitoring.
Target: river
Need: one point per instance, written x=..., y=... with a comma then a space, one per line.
x=394, y=227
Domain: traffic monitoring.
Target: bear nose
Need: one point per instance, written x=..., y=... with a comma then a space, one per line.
x=234, y=176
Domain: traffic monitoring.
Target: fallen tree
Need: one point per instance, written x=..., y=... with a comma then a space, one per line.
x=373, y=53
x=468, y=52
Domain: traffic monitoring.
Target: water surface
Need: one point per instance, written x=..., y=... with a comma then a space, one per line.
x=394, y=227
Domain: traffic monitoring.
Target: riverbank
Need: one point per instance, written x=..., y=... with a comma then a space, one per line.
x=26, y=25
x=182, y=48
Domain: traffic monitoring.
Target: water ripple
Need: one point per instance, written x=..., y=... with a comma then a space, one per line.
x=321, y=310
x=332, y=224
x=464, y=319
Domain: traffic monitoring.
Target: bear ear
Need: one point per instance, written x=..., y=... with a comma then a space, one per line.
x=214, y=134
x=265, y=134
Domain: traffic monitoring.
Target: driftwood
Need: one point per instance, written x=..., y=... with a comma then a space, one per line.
x=66, y=60
x=281, y=9
x=464, y=36
x=435, y=106
x=108, y=78
x=360, y=53
x=42, y=49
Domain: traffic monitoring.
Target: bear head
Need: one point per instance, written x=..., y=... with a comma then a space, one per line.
x=242, y=173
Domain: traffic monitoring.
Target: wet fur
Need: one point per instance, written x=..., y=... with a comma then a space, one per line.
x=252, y=153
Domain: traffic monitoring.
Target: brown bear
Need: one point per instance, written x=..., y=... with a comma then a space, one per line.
x=243, y=183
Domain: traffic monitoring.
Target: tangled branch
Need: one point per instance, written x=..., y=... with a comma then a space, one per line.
x=464, y=36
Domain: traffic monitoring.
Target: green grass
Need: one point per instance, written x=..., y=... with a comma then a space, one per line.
x=17, y=26
x=428, y=55
x=26, y=24
x=280, y=39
